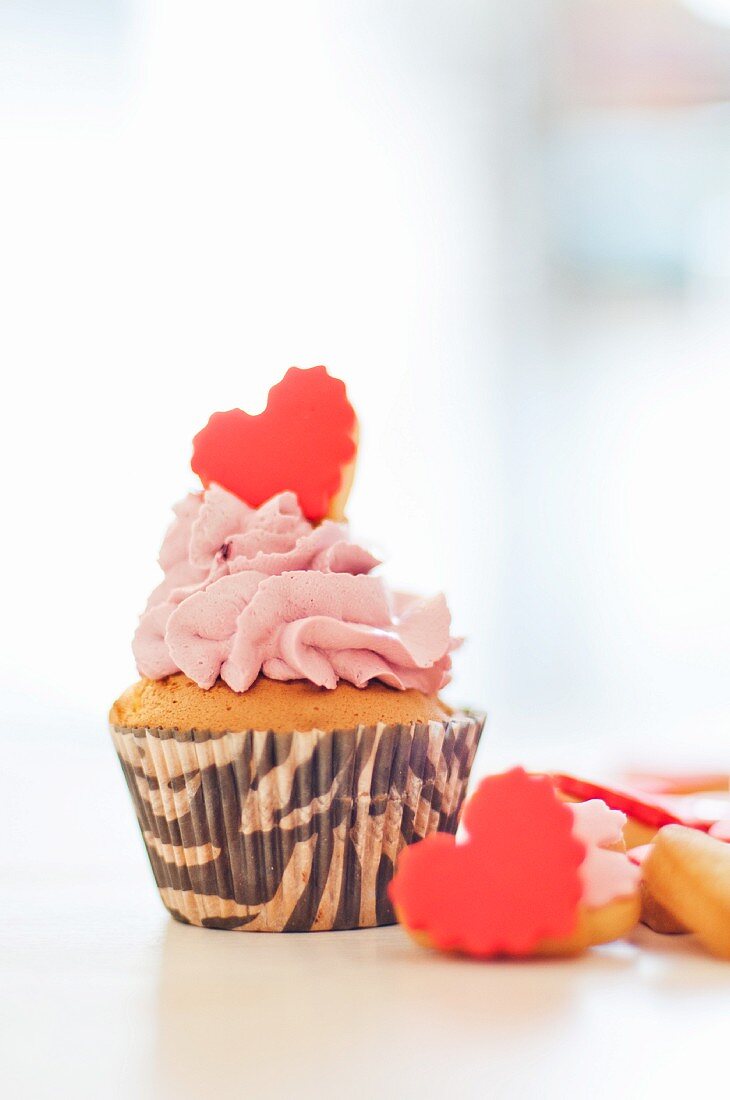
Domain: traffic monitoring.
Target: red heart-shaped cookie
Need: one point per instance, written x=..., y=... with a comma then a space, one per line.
x=303, y=441
x=512, y=882
x=646, y=812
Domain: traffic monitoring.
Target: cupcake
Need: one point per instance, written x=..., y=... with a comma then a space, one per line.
x=287, y=738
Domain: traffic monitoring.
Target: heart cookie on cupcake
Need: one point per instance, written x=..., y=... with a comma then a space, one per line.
x=287, y=738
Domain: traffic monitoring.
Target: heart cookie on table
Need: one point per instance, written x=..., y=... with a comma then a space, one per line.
x=646, y=813
x=531, y=875
x=305, y=441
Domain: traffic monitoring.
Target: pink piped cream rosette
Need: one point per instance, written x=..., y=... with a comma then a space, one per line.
x=250, y=591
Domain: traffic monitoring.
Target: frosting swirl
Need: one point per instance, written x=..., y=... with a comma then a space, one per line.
x=260, y=590
x=605, y=874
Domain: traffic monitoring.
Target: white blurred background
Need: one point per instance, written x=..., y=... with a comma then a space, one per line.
x=505, y=225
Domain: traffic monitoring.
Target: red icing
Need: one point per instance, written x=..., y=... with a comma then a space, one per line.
x=511, y=883
x=653, y=810
x=301, y=441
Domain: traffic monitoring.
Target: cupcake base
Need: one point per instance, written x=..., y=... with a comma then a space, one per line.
x=291, y=832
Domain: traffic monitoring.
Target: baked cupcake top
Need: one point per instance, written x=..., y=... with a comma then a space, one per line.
x=255, y=587
x=177, y=703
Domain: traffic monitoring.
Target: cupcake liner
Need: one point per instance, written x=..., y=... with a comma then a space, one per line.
x=291, y=832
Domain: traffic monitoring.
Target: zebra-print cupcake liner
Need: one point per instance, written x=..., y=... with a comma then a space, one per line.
x=291, y=832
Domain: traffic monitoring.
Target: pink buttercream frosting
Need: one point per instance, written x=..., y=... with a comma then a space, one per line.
x=606, y=875
x=260, y=590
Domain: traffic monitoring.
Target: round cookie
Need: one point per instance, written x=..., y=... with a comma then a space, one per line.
x=653, y=914
x=688, y=872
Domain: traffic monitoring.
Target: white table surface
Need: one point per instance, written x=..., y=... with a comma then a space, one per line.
x=105, y=995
